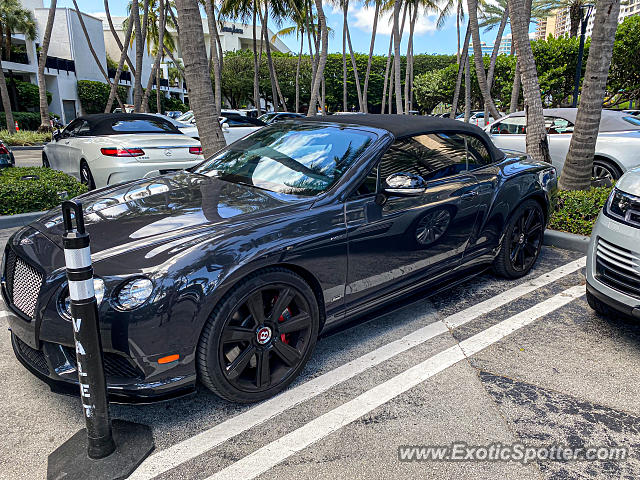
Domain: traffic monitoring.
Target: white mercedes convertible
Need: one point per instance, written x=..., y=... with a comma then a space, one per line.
x=106, y=149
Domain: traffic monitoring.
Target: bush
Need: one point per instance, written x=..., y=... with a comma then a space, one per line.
x=24, y=137
x=43, y=192
x=577, y=210
x=95, y=95
x=28, y=94
x=26, y=120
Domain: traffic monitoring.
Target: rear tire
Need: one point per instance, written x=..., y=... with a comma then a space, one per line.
x=86, y=178
x=259, y=336
x=522, y=241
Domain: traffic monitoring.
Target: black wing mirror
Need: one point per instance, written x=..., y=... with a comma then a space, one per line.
x=404, y=185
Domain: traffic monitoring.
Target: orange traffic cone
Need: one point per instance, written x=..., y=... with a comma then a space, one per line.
x=17, y=127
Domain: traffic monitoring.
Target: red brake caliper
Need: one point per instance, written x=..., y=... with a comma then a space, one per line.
x=286, y=315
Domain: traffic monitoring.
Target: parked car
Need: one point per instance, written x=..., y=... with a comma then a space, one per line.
x=173, y=113
x=234, y=127
x=234, y=267
x=6, y=156
x=106, y=149
x=273, y=117
x=617, y=144
x=476, y=118
x=613, y=259
x=632, y=112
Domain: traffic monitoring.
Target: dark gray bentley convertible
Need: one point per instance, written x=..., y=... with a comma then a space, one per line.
x=227, y=273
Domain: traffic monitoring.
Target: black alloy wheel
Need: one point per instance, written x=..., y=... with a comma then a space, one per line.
x=259, y=338
x=85, y=176
x=522, y=241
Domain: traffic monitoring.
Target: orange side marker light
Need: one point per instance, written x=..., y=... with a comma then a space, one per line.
x=169, y=359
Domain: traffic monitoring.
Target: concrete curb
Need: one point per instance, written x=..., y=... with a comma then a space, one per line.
x=567, y=241
x=19, y=220
x=26, y=147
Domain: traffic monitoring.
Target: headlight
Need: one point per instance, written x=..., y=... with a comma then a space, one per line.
x=134, y=293
x=624, y=207
x=98, y=287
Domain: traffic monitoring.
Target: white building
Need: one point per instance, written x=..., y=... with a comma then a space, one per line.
x=70, y=60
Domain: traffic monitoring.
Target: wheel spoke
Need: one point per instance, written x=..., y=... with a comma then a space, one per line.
x=284, y=299
x=295, y=324
x=523, y=258
x=527, y=222
x=515, y=252
x=237, y=334
x=263, y=372
x=534, y=228
x=240, y=362
x=287, y=353
x=256, y=307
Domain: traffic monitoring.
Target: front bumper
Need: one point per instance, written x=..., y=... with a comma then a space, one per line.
x=611, y=274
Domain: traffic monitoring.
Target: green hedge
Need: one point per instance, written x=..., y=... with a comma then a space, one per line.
x=95, y=95
x=24, y=137
x=44, y=192
x=28, y=94
x=577, y=210
x=26, y=120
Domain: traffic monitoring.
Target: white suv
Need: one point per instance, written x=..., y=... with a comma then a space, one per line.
x=613, y=259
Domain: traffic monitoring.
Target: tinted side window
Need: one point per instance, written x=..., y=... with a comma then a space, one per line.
x=143, y=126
x=510, y=126
x=434, y=156
x=71, y=128
x=369, y=185
x=556, y=125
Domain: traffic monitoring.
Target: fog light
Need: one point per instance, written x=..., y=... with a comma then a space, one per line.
x=135, y=293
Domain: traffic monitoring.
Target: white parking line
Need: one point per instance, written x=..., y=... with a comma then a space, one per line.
x=195, y=446
x=275, y=452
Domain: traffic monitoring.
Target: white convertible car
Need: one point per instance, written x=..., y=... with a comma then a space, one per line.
x=617, y=145
x=106, y=149
x=234, y=126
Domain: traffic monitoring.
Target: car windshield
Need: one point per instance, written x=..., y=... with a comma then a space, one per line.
x=632, y=120
x=151, y=125
x=185, y=117
x=302, y=159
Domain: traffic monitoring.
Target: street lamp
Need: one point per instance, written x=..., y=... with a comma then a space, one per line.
x=585, y=13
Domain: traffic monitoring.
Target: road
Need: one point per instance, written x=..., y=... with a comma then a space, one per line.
x=28, y=158
x=489, y=361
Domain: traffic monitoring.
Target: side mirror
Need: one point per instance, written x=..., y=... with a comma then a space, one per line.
x=225, y=127
x=405, y=185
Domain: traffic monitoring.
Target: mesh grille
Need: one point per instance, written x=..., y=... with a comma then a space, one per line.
x=33, y=357
x=618, y=268
x=23, y=284
x=115, y=366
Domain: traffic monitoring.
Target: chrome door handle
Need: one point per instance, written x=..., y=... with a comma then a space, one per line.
x=472, y=193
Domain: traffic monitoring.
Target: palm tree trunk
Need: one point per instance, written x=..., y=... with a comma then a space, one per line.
x=322, y=60
x=575, y=16
x=298, y=72
x=463, y=59
x=458, y=33
x=477, y=57
x=396, y=54
x=256, y=65
x=355, y=71
x=345, y=6
x=515, y=91
x=93, y=51
x=45, y=122
x=275, y=87
x=123, y=54
x=386, y=75
x=576, y=173
x=213, y=52
x=537, y=145
x=467, y=88
x=197, y=76
x=496, y=47
x=369, y=61
x=117, y=37
x=156, y=64
x=407, y=76
x=6, y=102
x=137, y=78
x=391, y=75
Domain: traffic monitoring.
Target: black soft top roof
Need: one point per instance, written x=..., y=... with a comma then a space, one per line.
x=102, y=123
x=401, y=126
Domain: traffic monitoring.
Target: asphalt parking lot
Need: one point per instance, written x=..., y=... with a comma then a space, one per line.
x=489, y=362
x=28, y=158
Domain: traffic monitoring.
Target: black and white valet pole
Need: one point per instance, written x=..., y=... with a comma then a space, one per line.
x=105, y=449
x=86, y=333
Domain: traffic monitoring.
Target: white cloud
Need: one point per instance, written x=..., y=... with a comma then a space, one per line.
x=364, y=16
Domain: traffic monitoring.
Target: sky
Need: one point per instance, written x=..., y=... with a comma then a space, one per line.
x=427, y=38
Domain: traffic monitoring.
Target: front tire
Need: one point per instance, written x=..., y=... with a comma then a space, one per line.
x=522, y=241
x=259, y=337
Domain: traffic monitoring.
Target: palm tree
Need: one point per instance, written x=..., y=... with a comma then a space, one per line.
x=321, y=61
x=461, y=65
x=537, y=145
x=161, y=38
x=14, y=18
x=45, y=121
x=477, y=57
x=117, y=37
x=576, y=173
x=6, y=102
x=445, y=12
x=210, y=10
x=377, y=4
x=196, y=70
x=123, y=55
x=397, y=37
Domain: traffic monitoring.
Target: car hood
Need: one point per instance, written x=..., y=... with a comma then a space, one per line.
x=630, y=182
x=146, y=212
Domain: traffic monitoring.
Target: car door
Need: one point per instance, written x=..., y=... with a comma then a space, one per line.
x=559, y=133
x=59, y=158
x=398, y=240
x=510, y=134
